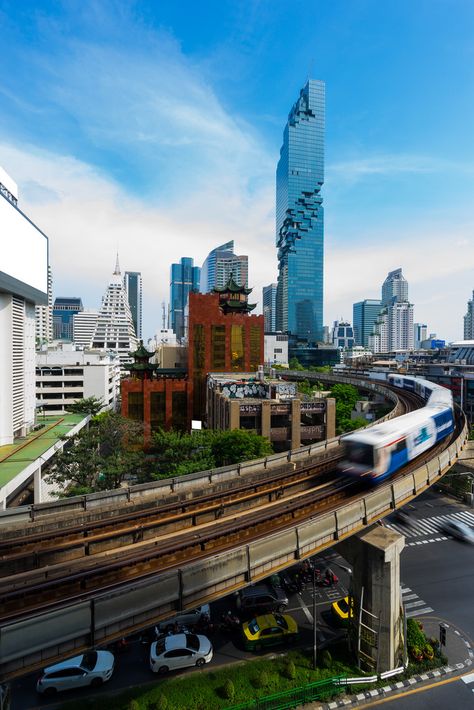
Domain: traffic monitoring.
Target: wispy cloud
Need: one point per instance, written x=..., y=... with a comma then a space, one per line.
x=388, y=165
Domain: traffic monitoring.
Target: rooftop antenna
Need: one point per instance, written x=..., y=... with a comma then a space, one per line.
x=163, y=314
x=117, y=266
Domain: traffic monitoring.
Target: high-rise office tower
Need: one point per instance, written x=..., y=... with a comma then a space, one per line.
x=469, y=320
x=220, y=263
x=342, y=335
x=114, y=330
x=394, y=325
x=394, y=286
x=299, y=217
x=23, y=285
x=364, y=316
x=420, y=333
x=269, y=307
x=185, y=277
x=44, y=316
x=63, y=310
x=132, y=282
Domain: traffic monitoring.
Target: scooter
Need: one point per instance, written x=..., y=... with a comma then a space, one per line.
x=229, y=622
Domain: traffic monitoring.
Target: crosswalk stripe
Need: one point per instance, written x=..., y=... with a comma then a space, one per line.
x=405, y=589
x=468, y=678
x=410, y=596
x=411, y=605
x=418, y=612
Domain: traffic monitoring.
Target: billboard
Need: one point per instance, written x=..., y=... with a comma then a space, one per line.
x=23, y=255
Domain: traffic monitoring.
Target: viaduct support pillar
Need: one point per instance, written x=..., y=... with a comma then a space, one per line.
x=377, y=622
x=37, y=485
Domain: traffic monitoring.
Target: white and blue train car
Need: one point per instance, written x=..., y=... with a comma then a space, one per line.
x=376, y=453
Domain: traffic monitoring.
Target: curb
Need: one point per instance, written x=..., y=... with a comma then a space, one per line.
x=354, y=700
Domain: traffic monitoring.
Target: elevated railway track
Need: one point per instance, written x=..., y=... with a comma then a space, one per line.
x=144, y=563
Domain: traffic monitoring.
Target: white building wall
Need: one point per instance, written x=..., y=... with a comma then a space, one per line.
x=276, y=349
x=6, y=391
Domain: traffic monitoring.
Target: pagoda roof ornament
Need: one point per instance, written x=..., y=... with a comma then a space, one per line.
x=234, y=298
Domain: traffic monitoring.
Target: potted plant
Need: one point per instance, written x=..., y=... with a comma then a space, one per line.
x=417, y=653
x=428, y=652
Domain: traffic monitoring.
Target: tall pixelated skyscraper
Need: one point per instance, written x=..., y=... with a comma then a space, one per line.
x=299, y=217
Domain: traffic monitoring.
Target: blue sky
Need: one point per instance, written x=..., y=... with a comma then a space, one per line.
x=156, y=128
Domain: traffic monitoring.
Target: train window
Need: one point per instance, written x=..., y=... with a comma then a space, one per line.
x=360, y=453
x=400, y=446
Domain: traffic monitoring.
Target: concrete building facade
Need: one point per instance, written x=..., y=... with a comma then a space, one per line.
x=23, y=285
x=65, y=374
x=276, y=349
x=270, y=407
x=469, y=320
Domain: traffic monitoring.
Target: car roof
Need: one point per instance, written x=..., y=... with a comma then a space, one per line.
x=263, y=588
x=68, y=663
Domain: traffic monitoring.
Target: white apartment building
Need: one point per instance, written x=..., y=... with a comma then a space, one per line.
x=65, y=374
x=23, y=285
x=83, y=328
x=393, y=329
x=44, y=316
x=276, y=349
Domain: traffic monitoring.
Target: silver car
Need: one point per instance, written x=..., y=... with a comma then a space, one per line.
x=458, y=529
x=92, y=668
x=185, y=619
x=170, y=653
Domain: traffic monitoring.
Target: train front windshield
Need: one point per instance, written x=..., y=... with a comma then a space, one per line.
x=362, y=454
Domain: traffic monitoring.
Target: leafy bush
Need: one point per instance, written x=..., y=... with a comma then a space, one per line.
x=289, y=669
x=161, y=703
x=326, y=659
x=261, y=680
x=415, y=636
x=228, y=690
x=133, y=705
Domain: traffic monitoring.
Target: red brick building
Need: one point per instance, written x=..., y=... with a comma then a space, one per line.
x=222, y=337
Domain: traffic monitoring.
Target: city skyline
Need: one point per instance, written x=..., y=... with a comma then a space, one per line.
x=188, y=161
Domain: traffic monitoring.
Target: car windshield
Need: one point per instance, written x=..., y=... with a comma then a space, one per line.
x=192, y=642
x=343, y=606
x=254, y=628
x=160, y=646
x=360, y=453
x=281, y=621
x=89, y=660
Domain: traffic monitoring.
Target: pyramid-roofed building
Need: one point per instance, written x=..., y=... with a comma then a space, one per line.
x=114, y=330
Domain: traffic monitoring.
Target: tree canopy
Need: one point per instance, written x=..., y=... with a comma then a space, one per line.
x=87, y=405
x=346, y=397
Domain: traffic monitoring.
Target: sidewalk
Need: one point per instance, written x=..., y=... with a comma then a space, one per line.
x=458, y=650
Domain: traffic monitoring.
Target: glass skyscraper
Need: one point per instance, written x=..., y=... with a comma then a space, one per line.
x=269, y=307
x=299, y=217
x=185, y=277
x=220, y=263
x=364, y=316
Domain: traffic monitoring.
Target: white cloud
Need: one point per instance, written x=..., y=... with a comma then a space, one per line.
x=439, y=269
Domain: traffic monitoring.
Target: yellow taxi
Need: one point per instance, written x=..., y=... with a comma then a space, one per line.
x=269, y=630
x=342, y=608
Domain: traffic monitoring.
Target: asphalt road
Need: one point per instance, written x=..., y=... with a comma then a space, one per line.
x=437, y=575
x=440, y=572
x=132, y=667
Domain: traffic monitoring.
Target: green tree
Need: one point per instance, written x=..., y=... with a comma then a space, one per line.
x=237, y=445
x=294, y=364
x=87, y=405
x=346, y=397
x=100, y=457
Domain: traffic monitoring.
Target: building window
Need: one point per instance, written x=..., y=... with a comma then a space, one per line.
x=255, y=350
x=198, y=333
x=179, y=410
x=135, y=406
x=218, y=347
x=237, y=349
x=157, y=410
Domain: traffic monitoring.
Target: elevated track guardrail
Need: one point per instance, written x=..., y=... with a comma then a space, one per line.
x=32, y=642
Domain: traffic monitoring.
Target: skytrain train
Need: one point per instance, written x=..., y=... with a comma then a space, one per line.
x=376, y=453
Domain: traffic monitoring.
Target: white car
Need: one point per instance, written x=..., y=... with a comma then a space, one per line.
x=169, y=653
x=458, y=529
x=92, y=668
